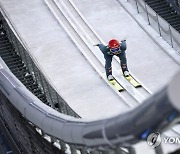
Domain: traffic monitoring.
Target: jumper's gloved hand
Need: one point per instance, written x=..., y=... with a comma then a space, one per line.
x=96, y=45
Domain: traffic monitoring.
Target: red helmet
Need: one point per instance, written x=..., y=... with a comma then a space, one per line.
x=114, y=43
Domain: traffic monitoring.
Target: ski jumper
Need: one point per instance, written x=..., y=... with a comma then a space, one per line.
x=108, y=55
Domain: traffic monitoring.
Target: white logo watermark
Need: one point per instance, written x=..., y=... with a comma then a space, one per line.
x=155, y=139
x=172, y=140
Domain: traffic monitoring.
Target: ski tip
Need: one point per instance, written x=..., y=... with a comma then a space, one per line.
x=139, y=85
x=131, y=80
x=120, y=90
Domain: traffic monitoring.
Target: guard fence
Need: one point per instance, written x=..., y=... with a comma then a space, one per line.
x=164, y=29
x=53, y=98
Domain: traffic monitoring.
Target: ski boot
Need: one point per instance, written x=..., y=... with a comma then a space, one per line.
x=126, y=73
x=110, y=77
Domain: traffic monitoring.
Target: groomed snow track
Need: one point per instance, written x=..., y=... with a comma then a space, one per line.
x=102, y=133
x=85, y=37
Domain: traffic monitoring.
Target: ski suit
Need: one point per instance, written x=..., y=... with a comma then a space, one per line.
x=108, y=55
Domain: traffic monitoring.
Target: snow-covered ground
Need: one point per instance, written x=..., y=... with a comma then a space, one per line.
x=67, y=69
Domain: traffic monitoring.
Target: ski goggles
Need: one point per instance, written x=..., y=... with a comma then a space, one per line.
x=114, y=50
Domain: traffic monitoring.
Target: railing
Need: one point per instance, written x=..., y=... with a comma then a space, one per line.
x=23, y=137
x=165, y=30
x=30, y=139
x=54, y=99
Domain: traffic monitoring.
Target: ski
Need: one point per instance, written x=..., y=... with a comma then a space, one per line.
x=132, y=81
x=116, y=85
